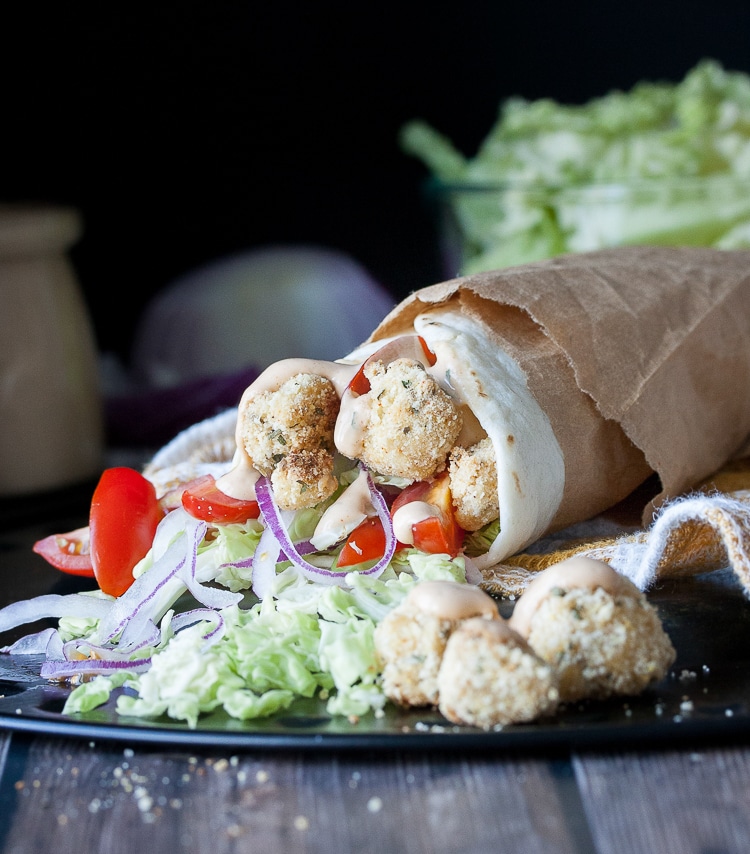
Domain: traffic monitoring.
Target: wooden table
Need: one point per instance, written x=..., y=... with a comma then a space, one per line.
x=68, y=794
x=60, y=795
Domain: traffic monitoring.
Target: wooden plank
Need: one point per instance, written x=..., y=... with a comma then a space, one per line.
x=670, y=802
x=76, y=796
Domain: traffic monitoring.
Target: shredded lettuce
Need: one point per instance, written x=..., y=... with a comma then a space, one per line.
x=428, y=567
x=304, y=640
x=479, y=542
x=662, y=164
x=228, y=553
x=80, y=627
x=92, y=694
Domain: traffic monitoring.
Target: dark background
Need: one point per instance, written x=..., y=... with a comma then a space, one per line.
x=186, y=133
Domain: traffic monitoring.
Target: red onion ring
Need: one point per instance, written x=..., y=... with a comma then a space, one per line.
x=271, y=515
x=52, y=605
x=110, y=659
x=171, y=573
x=267, y=554
x=215, y=629
x=33, y=644
x=63, y=669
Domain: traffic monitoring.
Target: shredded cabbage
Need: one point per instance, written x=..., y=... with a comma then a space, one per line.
x=479, y=542
x=662, y=163
x=304, y=640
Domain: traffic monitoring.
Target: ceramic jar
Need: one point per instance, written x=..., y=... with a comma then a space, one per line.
x=51, y=424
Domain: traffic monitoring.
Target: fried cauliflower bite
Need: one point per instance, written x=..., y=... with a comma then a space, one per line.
x=490, y=677
x=599, y=644
x=410, y=645
x=410, y=640
x=288, y=436
x=473, y=480
x=303, y=479
x=411, y=422
x=595, y=627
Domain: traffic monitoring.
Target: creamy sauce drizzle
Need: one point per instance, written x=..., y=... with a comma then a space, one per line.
x=497, y=631
x=351, y=423
x=450, y=600
x=239, y=482
x=576, y=572
x=351, y=508
x=409, y=515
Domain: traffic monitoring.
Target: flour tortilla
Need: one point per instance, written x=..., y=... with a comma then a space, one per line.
x=603, y=367
x=534, y=493
x=589, y=373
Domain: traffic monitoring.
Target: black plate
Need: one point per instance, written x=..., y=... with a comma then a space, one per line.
x=705, y=696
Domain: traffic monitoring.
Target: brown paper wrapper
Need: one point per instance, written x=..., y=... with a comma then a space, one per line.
x=639, y=356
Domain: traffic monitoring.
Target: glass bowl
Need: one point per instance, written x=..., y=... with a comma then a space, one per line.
x=484, y=227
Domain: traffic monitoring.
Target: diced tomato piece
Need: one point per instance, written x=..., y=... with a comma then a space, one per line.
x=439, y=533
x=405, y=346
x=436, y=492
x=366, y=542
x=67, y=552
x=429, y=355
x=124, y=515
x=359, y=383
x=203, y=499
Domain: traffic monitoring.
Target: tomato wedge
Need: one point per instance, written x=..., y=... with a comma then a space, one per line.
x=407, y=346
x=124, y=515
x=203, y=499
x=439, y=532
x=359, y=383
x=366, y=542
x=436, y=535
x=67, y=552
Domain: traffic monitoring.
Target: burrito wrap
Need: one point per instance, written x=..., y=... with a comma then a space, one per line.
x=637, y=356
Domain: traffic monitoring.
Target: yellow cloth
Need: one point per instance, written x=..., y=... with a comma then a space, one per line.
x=703, y=531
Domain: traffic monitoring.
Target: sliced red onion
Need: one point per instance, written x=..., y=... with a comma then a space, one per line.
x=55, y=646
x=239, y=564
x=304, y=547
x=52, y=605
x=34, y=644
x=267, y=554
x=124, y=650
x=62, y=669
x=131, y=641
x=473, y=573
x=173, y=572
x=150, y=595
x=215, y=630
x=79, y=653
x=126, y=624
x=271, y=515
x=176, y=522
x=212, y=597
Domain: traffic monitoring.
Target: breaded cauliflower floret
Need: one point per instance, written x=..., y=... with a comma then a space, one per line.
x=292, y=428
x=303, y=479
x=411, y=639
x=410, y=645
x=490, y=677
x=595, y=627
x=411, y=422
x=601, y=644
x=473, y=479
